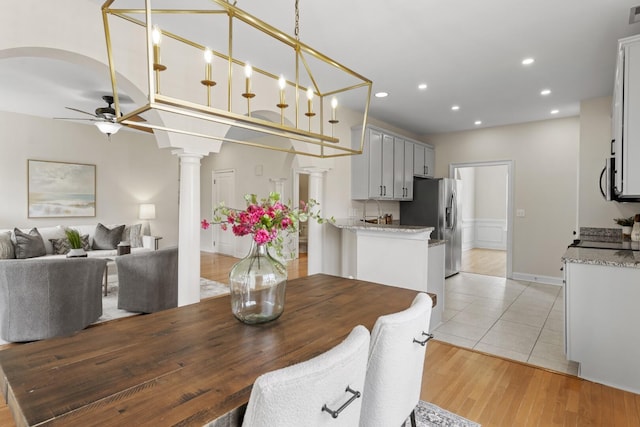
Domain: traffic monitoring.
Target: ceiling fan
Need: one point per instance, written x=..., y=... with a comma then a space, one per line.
x=105, y=118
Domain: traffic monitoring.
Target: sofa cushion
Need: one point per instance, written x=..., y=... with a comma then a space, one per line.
x=6, y=246
x=105, y=238
x=29, y=245
x=133, y=235
x=62, y=246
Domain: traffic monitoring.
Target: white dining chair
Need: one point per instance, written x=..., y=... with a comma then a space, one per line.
x=323, y=391
x=396, y=361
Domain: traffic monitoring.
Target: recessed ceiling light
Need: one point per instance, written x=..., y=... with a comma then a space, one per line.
x=545, y=92
x=381, y=95
x=528, y=61
x=477, y=122
x=555, y=111
x=455, y=107
x=422, y=86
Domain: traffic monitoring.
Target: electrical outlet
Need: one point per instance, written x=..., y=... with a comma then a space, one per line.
x=520, y=213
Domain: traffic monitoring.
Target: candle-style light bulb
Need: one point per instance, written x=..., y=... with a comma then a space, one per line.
x=156, y=38
x=310, y=112
x=282, y=84
x=334, y=105
x=248, y=70
x=156, y=35
x=208, y=57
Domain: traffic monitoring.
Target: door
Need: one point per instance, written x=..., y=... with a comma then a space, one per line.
x=223, y=191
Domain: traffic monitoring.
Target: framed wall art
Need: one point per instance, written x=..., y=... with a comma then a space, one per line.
x=58, y=189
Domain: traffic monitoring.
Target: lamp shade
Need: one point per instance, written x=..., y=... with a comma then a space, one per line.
x=108, y=128
x=147, y=211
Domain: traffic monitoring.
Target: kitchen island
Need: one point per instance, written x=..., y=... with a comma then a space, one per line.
x=390, y=254
x=602, y=293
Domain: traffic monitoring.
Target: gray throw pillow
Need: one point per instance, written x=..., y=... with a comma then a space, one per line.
x=105, y=238
x=133, y=235
x=62, y=246
x=6, y=246
x=29, y=245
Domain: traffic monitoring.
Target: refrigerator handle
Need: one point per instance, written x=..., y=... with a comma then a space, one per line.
x=454, y=208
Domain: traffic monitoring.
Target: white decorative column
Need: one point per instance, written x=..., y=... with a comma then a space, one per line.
x=315, y=240
x=189, y=229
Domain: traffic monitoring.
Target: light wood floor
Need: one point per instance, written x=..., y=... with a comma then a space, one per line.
x=487, y=389
x=489, y=262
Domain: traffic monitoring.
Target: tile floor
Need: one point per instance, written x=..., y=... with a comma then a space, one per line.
x=519, y=320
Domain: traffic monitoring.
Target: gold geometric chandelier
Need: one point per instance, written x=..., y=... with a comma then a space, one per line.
x=214, y=67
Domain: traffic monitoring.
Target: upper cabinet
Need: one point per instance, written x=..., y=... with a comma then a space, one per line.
x=372, y=171
x=626, y=120
x=424, y=160
x=402, y=169
x=386, y=167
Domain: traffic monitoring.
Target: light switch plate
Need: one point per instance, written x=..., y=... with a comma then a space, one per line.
x=520, y=213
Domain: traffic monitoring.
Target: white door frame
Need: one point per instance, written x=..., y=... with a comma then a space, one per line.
x=216, y=235
x=295, y=182
x=510, y=194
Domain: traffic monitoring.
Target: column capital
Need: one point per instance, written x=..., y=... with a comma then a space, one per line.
x=182, y=153
x=315, y=170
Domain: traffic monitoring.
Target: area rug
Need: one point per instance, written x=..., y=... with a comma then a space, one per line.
x=110, y=311
x=430, y=415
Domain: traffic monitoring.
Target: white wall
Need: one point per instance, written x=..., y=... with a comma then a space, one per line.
x=595, y=135
x=491, y=192
x=130, y=169
x=484, y=207
x=545, y=156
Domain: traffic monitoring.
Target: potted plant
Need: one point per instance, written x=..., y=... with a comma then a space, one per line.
x=626, y=224
x=75, y=242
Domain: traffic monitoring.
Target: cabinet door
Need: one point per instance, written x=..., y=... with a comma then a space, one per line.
x=429, y=161
x=398, y=168
x=375, y=164
x=408, y=170
x=387, y=167
x=418, y=160
x=631, y=122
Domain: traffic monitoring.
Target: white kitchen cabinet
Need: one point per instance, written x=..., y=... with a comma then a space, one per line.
x=626, y=119
x=435, y=282
x=424, y=160
x=601, y=319
x=402, y=169
x=372, y=172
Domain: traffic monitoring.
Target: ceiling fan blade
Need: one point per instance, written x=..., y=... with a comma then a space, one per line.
x=137, y=119
x=80, y=111
x=74, y=118
x=142, y=128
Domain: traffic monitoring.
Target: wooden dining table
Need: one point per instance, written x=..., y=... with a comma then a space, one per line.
x=184, y=366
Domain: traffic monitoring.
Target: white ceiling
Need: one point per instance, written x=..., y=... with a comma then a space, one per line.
x=468, y=52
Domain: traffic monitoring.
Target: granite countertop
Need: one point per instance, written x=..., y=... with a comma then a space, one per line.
x=358, y=224
x=612, y=258
x=435, y=242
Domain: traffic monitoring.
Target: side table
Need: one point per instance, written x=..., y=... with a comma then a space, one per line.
x=156, y=239
x=110, y=262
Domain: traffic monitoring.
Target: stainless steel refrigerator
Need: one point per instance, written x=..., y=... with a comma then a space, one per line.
x=436, y=203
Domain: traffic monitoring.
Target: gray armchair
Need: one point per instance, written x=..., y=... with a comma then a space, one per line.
x=148, y=281
x=44, y=298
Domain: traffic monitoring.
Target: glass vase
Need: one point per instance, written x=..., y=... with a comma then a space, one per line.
x=257, y=283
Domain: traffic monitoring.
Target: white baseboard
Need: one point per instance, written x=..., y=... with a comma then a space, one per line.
x=548, y=280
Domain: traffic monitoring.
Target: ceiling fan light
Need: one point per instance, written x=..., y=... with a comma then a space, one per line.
x=108, y=128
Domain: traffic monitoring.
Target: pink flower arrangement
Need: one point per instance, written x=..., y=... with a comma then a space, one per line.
x=264, y=219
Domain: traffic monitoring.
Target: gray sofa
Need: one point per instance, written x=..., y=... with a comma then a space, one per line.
x=44, y=298
x=148, y=281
